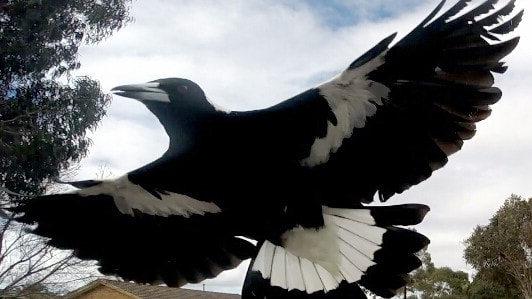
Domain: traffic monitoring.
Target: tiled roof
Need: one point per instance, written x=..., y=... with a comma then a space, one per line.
x=156, y=292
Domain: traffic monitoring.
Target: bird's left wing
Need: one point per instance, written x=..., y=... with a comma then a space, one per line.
x=140, y=234
x=396, y=113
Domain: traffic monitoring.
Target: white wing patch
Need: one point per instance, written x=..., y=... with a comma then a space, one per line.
x=128, y=196
x=313, y=260
x=352, y=98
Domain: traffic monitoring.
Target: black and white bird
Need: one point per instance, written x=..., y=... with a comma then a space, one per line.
x=296, y=177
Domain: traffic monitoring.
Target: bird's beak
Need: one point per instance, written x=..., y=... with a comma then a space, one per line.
x=143, y=92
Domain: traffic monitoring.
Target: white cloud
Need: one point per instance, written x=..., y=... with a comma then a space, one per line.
x=251, y=54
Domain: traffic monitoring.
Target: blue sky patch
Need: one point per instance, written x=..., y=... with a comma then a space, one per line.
x=339, y=13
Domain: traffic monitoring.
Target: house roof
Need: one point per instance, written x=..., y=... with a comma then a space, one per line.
x=140, y=291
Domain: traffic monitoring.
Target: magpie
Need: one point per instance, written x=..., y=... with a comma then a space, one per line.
x=290, y=186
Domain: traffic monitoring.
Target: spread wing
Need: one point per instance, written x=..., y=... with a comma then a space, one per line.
x=143, y=235
x=396, y=113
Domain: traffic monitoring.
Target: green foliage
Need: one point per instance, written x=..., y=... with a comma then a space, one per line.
x=484, y=289
x=501, y=251
x=433, y=282
x=44, y=112
x=43, y=129
x=43, y=36
x=421, y=279
x=44, y=116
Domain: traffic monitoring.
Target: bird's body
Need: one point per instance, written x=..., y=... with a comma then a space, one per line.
x=294, y=177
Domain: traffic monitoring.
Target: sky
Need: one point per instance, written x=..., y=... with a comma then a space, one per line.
x=253, y=54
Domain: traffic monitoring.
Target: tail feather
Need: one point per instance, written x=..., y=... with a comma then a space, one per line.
x=407, y=214
x=401, y=239
x=356, y=247
x=383, y=284
x=396, y=261
x=257, y=287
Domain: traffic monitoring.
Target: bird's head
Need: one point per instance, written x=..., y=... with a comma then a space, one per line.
x=180, y=105
x=176, y=94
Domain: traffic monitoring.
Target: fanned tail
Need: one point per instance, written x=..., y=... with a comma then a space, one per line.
x=359, y=247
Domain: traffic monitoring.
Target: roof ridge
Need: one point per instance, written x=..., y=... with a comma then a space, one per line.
x=108, y=283
x=139, y=290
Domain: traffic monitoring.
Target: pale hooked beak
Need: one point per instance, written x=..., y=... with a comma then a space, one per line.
x=142, y=92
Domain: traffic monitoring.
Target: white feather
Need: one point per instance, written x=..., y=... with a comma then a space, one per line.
x=370, y=233
x=263, y=261
x=128, y=197
x=359, y=215
x=317, y=245
x=349, y=271
x=329, y=281
x=314, y=260
x=364, y=246
x=294, y=276
x=311, y=277
x=352, y=98
x=278, y=277
x=359, y=260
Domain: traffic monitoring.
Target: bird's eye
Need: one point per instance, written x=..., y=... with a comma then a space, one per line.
x=182, y=89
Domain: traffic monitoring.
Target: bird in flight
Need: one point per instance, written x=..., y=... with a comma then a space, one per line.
x=289, y=186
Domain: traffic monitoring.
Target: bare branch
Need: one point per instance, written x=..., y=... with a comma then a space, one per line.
x=20, y=117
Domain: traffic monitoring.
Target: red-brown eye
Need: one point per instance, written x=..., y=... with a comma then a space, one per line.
x=182, y=89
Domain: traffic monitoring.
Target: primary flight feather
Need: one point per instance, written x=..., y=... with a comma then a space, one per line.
x=294, y=177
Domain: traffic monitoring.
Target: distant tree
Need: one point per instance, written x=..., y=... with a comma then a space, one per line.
x=429, y=281
x=42, y=130
x=481, y=288
x=45, y=113
x=36, y=291
x=421, y=279
x=501, y=251
x=29, y=266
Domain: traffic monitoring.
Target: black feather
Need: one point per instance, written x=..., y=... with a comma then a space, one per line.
x=509, y=25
